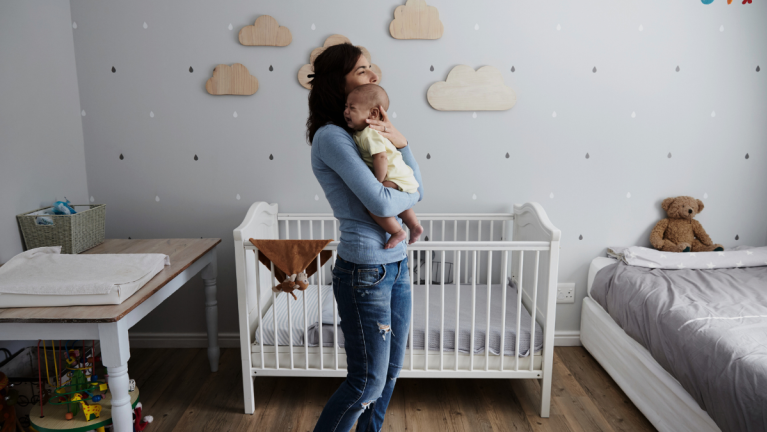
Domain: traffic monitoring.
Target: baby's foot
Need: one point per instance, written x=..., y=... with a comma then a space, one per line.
x=395, y=239
x=415, y=233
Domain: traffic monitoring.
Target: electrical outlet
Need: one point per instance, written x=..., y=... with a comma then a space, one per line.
x=566, y=292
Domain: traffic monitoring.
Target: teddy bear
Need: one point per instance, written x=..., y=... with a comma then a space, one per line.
x=679, y=232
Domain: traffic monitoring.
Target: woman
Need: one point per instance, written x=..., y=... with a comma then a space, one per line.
x=370, y=283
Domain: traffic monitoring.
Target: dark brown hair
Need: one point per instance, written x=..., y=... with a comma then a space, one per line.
x=327, y=96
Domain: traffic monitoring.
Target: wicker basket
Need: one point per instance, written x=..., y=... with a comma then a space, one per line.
x=74, y=233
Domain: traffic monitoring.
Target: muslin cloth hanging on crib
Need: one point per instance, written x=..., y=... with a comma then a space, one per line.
x=294, y=260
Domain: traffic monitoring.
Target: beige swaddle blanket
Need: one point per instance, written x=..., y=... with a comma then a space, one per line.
x=46, y=271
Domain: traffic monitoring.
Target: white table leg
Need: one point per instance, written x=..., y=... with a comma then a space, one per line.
x=115, y=353
x=211, y=311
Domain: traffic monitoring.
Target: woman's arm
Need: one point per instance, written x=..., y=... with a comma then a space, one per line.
x=409, y=159
x=338, y=151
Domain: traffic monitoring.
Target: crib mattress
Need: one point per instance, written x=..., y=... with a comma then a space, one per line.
x=419, y=320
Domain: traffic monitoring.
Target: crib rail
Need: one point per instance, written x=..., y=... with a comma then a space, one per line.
x=473, y=249
x=482, y=256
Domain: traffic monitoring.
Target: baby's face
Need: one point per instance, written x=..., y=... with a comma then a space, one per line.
x=356, y=112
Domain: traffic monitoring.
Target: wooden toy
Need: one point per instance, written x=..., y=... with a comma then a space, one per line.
x=468, y=90
x=308, y=69
x=265, y=32
x=416, y=20
x=78, y=388
x=231, y=80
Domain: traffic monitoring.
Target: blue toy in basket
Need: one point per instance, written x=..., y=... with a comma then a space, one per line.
x=59, y=208
x=63, y=208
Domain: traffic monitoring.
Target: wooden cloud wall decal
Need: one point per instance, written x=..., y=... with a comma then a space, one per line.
x=468, y=90
x=307, y=69
x=416, y=20
x=265, y=32
x=231, y=80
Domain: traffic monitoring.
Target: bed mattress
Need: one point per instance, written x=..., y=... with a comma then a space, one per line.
x=707, y=328
x=419, y=320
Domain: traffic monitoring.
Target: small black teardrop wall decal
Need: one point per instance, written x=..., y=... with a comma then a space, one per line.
x=270, y=68
x=426, y=238
x=758, y=68
x=747, y=156
x=428, y=155
x=580, y=237
x=195, y=157
x=271, y=157
x=513, y=69
x=507, y=155
x=594, y=70
x=431, y=68
x=677, y=68
x=121, y=156
x=588, y=155
x=669, y=155
x=737, y=237
x=190, y=69
x=113, y=69
x=129, y=238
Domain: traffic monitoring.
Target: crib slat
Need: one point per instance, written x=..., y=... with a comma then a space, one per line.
x=335, y=323
x=299, y=229
x=457, y=306
x=442, y=308
x=466, y=263
x=287, y=230
x=443, y=231
x=410, y=269
x=473, y=307
x=490, y=253
x=455, y=238
x=479, y=257
x=504, y=284
x=290, y=331
x=534, y=307
x=258, y=306
x=319, y=308
x=519, y=309
x=274, y=316
x=427, y=279
x=306, y=335
x=503, y=230
x=431, y=229
x=489, y=295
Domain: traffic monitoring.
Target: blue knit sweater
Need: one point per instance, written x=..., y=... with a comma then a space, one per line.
x=352, y=190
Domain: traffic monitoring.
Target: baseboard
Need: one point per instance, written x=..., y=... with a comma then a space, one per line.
x=181, y=340
x=567, y=338
x=232, y=340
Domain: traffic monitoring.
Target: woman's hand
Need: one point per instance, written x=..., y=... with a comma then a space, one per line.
x=388, y=130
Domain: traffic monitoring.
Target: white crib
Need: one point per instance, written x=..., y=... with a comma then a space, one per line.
x=475, y=249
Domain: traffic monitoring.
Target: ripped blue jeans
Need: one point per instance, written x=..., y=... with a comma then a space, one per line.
x=374, y=306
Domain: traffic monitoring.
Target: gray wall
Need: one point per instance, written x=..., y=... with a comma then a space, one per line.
x=41, y=136
x=553, y=72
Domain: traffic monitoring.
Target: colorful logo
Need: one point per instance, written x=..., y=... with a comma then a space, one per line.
x=706, y=2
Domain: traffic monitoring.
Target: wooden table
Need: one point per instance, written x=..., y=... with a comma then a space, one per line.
x=110, y=323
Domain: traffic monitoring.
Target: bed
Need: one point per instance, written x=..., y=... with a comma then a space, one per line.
x=482, y=289
x=688, y=346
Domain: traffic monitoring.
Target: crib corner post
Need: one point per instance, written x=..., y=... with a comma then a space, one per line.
x=547, y=365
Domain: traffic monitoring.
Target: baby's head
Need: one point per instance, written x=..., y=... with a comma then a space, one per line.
x=363, y=103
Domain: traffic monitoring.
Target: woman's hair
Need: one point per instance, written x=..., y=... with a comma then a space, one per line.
x=327, y=96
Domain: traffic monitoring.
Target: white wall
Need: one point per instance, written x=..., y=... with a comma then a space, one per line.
x=41, y=138
x=553, y=72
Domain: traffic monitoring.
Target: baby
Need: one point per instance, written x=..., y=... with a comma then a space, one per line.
x=382, y=157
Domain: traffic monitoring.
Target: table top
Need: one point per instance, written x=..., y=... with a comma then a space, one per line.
x=182, y=253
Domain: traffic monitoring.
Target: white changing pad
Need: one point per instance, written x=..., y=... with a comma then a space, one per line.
x=45, y=277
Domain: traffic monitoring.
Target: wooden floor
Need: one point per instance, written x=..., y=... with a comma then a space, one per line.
x=178, y=389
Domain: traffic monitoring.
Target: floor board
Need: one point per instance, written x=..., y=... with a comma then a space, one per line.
x=178, y=389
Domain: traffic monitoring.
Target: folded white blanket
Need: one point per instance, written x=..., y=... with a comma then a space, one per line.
x=643, y=257
x=46, y=271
